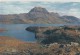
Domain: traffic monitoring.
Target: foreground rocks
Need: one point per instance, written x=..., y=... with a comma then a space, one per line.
x=38, y=49
x=11, y=46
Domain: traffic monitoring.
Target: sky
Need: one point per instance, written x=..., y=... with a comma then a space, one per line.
x=64, y=7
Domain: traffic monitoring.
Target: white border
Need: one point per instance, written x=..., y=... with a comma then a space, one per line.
x=42, y=0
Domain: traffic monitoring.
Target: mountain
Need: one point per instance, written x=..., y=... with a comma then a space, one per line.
x=71, y=19
x=10, y=19
x=38, y=12
x=38, y=15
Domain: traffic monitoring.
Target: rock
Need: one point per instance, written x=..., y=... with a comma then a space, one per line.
x=63, y=35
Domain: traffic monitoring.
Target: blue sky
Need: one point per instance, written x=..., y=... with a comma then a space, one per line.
x=63, y=8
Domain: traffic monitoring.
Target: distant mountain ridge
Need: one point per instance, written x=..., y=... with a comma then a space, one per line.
x=72, y=19
x=38, y=15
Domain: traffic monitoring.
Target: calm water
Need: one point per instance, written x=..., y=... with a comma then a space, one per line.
x=18, y=31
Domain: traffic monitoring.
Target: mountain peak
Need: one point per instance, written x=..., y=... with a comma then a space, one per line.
x=39, y=9
x=38, y=12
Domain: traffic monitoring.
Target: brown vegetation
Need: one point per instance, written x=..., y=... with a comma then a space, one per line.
x=12, y=46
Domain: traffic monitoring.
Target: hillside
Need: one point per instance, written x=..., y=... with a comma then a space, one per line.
x=12, y=46
x=71, y=19
x=38, y=15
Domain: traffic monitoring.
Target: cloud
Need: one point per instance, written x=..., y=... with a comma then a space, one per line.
x=74, y=12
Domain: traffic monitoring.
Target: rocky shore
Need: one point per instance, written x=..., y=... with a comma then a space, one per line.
x=60, y=34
